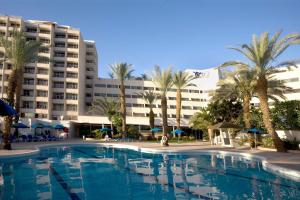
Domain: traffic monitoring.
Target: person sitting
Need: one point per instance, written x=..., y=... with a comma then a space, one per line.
x=106, y=138
x=164, y=141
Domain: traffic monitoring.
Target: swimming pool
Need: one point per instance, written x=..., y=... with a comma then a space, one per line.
x=98, y=172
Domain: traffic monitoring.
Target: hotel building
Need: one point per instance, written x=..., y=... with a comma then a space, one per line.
x=64, y=88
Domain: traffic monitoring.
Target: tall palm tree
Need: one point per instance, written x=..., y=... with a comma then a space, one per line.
x=181, y=80
x=107, y=107
x=150, y=98
x=122, y=71
x=262, y=54
x=163, y=80
x=19, y=52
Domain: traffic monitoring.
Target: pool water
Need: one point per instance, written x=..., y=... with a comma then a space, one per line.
x=95, y=172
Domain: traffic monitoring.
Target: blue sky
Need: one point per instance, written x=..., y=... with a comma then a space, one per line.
x=180, y=33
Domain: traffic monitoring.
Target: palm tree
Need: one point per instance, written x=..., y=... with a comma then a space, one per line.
x=163, y=80
x=181, y=80
x=19, y=52
x=107, y=107
x=262, y=54
x=150, y=98
x=122, y=71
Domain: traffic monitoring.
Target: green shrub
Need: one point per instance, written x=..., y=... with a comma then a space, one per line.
x=117, y=136
x=133, y=132
x=98, y=134
x=267, y=142
x=242, y=141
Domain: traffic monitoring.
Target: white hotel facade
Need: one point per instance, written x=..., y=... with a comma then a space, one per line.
x=64, y=88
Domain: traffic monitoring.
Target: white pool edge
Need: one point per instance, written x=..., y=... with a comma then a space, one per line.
x=273, y=168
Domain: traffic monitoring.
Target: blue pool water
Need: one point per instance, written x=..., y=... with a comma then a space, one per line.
x=94, y=172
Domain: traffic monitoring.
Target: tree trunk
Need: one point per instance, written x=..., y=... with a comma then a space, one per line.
x=210, y=133
x=178, y=108
x=263, y=99
x=151, y=118
x=112, y=128
x=18, y=97
x=247, y=118
x=12, y=83
x=164, y=114
x=123, y=109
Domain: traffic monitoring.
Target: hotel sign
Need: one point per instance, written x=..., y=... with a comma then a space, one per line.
x=201, y=74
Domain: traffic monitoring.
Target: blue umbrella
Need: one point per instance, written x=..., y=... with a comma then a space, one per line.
x=58, y=126
x=37, y=125
x=47, y=126
x=178, y=132
x=19, y=125
x=6, y=109
x=105, y=129
x=155, y=130
x=255, y=131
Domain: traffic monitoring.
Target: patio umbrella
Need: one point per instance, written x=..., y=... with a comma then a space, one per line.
x=155, y=130
x=37, y=125
x=105, y=129
x=178, y=132
x=19, y=125
x=6, y=109
x=255, y=131
x=47, y=126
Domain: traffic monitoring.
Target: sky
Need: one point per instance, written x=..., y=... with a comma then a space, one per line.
x=179, y=33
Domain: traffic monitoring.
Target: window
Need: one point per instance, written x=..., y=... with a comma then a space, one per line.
x=58, y=95
x=88, y=95
x=172, y=106
x=196, y=107
x=72, y=85
x=289, y=80
x=70, y=36
x=172, y=90
x=28, y=81
x=30, y=38
x=28, y=104
x=59, y=64
x=88, y=85
x=136, y=87
x=44, y=60
x=90, y=61
x=59, y=54
x=42, y=93
x=112, y=86
x=44, y=40
x=40, y=115
x=60, y=44
x=185, y=99
x=60, y=35
x=89, y=53
x=172, y=98
x=90, y=46
x=137, y=105
x=31, y=29
x=72, y=75
x=71, y=107
x=42, y=71
x=41, y=105
x=2, y=23
x=89, y=77
x=72, y=65
x=187, y=107
x=194, y=91
x=58, y=84
x=148, y=88
x=184, y=90
x=138, y=114
x=59, y=74
x=9, y=66
x=100, y=94
x=195, y=99
x=44, y=31
x=29, y=70
x=44, y=50
x=71, y=96
x=14, y=24
x=28, y=93
x=72, y=55
x=113, y=95
x=187, y=116
x=72, y=46
x=58, y=107
x=42, y=82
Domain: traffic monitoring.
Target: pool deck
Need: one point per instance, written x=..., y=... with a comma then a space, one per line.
x=286, y=161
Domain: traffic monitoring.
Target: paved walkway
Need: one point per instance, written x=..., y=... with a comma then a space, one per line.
x=290, y=161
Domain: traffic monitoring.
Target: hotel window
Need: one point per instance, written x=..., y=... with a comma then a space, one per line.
x=90, y=46
x=72, y=75
x=72, y=65
x=42, y=93
x=100, y=85
x=2, y=23
x=128, y=105
x=89, y=77
x=42, y=71
x=30, y=39
x=127, y=86
x=112, y=86
x=44, y=60
x=28, y=93
x=9, y=66
x=134, y=96
x=138, y=105
x=127, y=96
x=194, y=91
x=184, y=90
x=72, y=55
x=58, y=95
x=0, y=77
x=136, y=87
x=60, y=44
x=28, y=81
x=172, y=106
x=185, y=99
x=88, y=85
x=59, y=64
x=44, y=50
x=172, y=90
x=29, y=70
x=195, y=99
x=89, y=69
x=14, y=24
x=71, y=96
x=89, y=53
x=40, y=115
x=58, y=84
x=41, y=105
x=173, y=116
x=70, y=36
x=172, y=98
x=72, y=85
x=42, y=82
x=72, y=46
x=100, y=94
x=58, y=107
x=60, y=35
x=59, y=54
x=31, y=29
x=138, y=114
x=90, y=61
x=187, y=107
x=88, y=95
x=44, y=40
x=196, y=107
x=112, y=95
x=44, y=31
x=148, y=88
x=59, y=74
x=289, y=80
x=1, y=66
x=187, y=116
x=71, y=107
x=28, y=104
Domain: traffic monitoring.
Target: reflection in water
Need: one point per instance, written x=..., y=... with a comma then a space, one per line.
x=98, y=172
